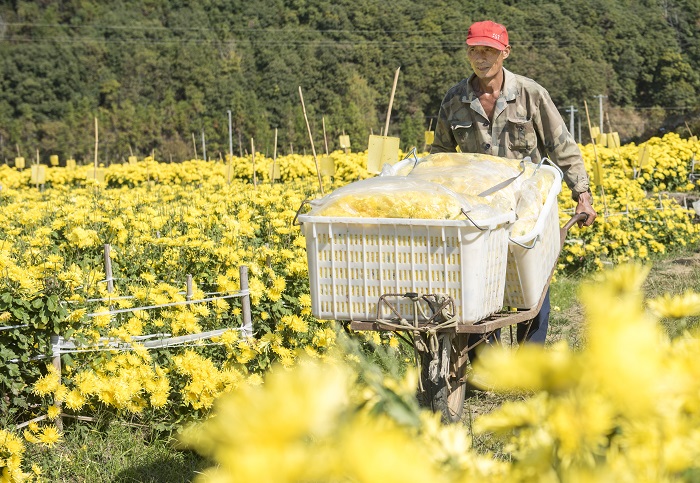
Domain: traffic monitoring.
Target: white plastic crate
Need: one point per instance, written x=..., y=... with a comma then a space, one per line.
x=529, y=268
x=353, y=261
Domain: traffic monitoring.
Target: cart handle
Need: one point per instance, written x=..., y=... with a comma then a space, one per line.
x=294, y=221
x=578, y=217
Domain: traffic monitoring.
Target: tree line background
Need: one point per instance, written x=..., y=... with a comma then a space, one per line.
x=155, y=72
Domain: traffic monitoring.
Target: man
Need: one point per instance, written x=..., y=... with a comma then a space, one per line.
x=503, y=114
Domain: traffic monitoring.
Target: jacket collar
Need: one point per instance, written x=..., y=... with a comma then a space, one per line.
x=510, y=88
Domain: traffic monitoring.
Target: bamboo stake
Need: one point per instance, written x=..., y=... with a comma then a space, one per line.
x=595, y=154
x=194, y=145
x=108, y=268
x=252, y=150
x=56, y=362
x=230, y=147
x=274, y=158
x=391, y=102
x=325, y=139
x=617, y=146
x=247, y=328
x=230, y=135
x=97, y=140
x=688, y=128
x=37, y=168
x=313, y=149
x=131, y=151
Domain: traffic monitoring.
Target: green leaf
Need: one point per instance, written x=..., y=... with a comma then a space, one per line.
x=52, y=303
x=12, y=370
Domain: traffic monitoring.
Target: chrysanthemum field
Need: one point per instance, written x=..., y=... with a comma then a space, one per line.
x=292, y=403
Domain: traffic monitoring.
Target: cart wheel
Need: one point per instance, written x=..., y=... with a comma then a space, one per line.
x=446, y=399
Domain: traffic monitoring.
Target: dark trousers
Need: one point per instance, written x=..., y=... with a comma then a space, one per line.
x=537, y=332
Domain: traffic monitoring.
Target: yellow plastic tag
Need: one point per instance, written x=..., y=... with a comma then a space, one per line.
x=70, y=164
x=53, y=160
x=644, y=155
x=132, y=159
x=38, y=174
x=381, y=150
x=598, y=173
x=19, y=163
x=602, y=139
x=595, y=131
x=344, y=141
x=613, y=140
x=96, y=174
x=327, y=166
x=429, y=137
x=275, y=171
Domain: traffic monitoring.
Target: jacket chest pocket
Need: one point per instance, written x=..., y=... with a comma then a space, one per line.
x=521, y=136
x=465, y=135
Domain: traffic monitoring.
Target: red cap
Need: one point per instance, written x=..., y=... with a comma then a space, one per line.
x=488, y=33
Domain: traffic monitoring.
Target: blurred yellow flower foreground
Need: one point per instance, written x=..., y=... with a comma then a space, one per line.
x=317, y=422
x=626, y=408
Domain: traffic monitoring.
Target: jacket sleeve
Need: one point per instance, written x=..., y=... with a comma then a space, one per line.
x=561, y=147
x=444, y=141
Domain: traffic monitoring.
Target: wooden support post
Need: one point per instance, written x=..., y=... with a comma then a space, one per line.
x=274, y=158
x=325, y=139
x=204, y=146
x=595, y=153
x=97, y=139
x=252, y=150
x=56, y=361
x=230, y=135
x=391, y=101
x=245, y=303
x=311, y=138
x=194, y=145
x=108, y=269
x=189, y=287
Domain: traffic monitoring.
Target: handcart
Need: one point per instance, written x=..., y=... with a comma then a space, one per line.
x=434, y=283
x=442, y=342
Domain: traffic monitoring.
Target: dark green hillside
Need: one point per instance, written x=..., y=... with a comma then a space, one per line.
x=155, y=72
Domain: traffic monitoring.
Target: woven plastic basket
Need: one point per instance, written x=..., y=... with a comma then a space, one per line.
x=353, y=261
x=531, y=257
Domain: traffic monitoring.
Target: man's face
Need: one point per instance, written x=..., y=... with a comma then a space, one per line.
x=487, y=62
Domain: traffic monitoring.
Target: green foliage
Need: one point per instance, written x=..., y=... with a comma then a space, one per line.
x=23, y=344
x=114, y=452
x=155, y=75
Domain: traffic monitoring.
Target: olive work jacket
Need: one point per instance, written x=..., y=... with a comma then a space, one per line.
x=525, y=123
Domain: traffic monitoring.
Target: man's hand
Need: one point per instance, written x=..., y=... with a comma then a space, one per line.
x=585, y=205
